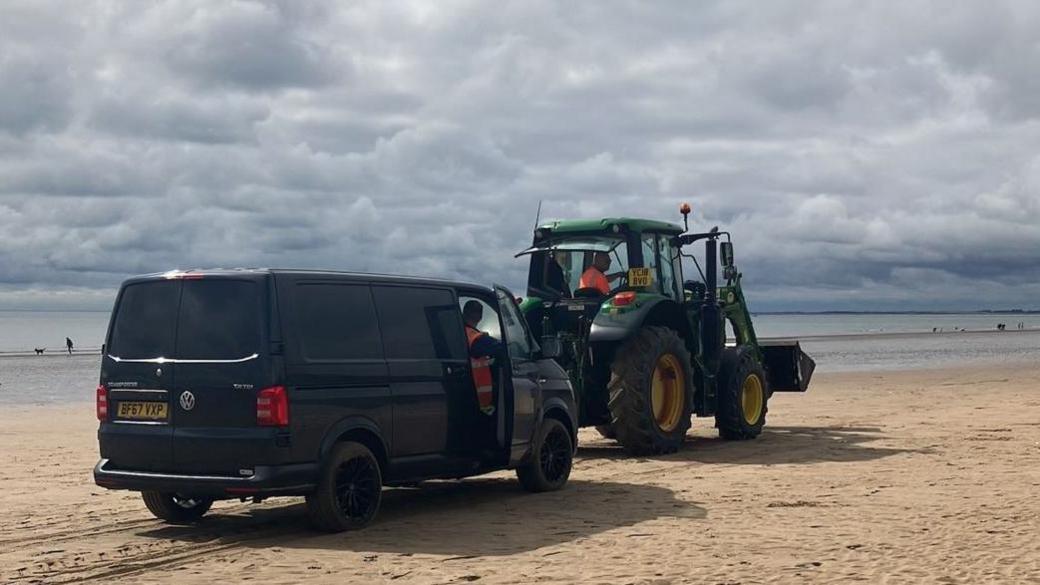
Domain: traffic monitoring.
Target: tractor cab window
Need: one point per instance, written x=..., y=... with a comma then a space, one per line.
x=557, y=265
x=671, y=270
x=662, y=258
x=649, y=245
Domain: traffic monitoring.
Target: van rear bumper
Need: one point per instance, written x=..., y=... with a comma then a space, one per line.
x=266, y=480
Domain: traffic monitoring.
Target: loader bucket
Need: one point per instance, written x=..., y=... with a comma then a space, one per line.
x=787, y=366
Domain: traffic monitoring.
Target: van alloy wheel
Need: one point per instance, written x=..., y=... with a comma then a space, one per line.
x=357, y=488
x=187, y=502
x=176, y=508
x=555, y=455
x=548, y=465
x=348, y=491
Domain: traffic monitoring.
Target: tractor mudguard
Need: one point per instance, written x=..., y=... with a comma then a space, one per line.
x=614, y=323
x=788, y=367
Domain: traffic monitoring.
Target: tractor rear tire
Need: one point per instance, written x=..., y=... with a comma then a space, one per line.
x=651, y=392
x=743, y=395
x=606, y=431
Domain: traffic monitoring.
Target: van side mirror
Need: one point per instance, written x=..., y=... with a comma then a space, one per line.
x=726, y=251
x=551, y=347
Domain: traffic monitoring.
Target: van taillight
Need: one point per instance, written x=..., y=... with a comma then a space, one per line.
x=272, y=407
x=102, y=403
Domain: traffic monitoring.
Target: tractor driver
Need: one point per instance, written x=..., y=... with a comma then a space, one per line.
x=595, y=276
x=482, y=348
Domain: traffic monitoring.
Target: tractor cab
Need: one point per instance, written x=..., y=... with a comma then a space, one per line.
x=642, y=254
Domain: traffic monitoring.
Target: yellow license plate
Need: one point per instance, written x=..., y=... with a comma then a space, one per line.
x=640, y=277
x=141, y=410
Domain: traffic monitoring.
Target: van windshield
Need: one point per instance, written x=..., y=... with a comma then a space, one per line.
x=207, y=319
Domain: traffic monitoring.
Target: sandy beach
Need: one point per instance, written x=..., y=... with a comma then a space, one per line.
x=905, y=477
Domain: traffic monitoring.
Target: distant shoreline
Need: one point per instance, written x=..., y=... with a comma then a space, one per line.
x=800, y=338
x=895, y=334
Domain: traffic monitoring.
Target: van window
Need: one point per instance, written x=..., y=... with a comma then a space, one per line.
x=419, y=323
x=336, y=322
x=144, y=323
x=219, y=319
x=517, y=340
x=489, y=319
x=207, y=319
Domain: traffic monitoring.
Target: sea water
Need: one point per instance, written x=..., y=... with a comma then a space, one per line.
x=837, y=342
x=23, y=331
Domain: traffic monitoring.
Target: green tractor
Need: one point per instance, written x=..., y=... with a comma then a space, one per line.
x=645, y=349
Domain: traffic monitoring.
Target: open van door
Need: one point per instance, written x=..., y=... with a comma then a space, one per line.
x=522, y=377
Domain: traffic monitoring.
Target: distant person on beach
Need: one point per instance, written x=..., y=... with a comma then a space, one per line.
x=68, y=344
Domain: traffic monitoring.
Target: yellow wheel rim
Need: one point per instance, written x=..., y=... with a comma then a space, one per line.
x=751, y=398
x=668, y=392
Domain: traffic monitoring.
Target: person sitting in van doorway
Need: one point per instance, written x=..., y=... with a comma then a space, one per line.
x=595, y=276
x=482, y=348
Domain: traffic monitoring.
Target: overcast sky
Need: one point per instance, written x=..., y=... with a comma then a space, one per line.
x=874, y=157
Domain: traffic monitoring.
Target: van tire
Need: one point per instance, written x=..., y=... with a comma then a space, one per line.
x=175, y=508
x=349, y=490
x=548, y=465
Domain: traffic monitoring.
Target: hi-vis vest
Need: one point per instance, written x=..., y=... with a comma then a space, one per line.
x=481, y=368
x=594, y=278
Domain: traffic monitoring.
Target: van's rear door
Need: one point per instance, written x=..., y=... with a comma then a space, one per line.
x=221, y=366
x=138, y=376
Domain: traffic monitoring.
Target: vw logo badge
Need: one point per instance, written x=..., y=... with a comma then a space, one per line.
x=187, y=400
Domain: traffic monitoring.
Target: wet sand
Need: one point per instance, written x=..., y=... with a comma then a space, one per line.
x=916, y=476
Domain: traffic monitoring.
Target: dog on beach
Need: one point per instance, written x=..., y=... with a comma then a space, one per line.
x=39, y=351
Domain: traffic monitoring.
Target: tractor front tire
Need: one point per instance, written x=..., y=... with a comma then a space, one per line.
x=651, y=392
x=743, y=394
x=606, y=431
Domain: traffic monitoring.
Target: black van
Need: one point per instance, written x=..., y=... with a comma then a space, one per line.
x=256, y=383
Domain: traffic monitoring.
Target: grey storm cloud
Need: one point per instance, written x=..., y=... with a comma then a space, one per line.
x=864, y=156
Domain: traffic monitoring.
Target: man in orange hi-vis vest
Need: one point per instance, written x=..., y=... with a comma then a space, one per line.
x=482, y=347
x=595, y=276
